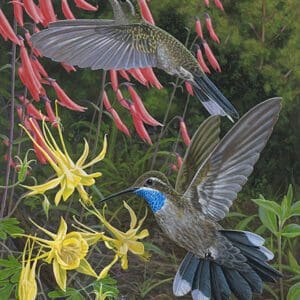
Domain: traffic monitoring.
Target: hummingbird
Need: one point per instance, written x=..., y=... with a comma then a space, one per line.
x=129, y=42
x=219, y=262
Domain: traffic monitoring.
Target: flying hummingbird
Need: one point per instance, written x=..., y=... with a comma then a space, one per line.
x=128, y=42
x=219, y=262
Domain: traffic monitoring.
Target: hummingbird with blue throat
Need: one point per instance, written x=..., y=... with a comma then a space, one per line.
x=219, y=262
x=129, y=42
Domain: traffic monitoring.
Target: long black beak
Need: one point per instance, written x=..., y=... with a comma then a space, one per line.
x=129, y=190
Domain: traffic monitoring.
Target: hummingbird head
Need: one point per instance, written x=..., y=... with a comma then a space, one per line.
x=154, y=187
x=125, y=9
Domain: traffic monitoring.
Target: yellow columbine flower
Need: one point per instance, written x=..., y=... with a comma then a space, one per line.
x=70, y=175
x=27, y=287
x=122, y=242
x=66, y=251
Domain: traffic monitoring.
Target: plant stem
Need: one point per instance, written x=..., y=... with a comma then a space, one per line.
x=279, y=241
x=164, y=124
x=12, y=123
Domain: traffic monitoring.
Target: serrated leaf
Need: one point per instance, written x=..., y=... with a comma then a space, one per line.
x=291, y=231
x=294, y=292
x=268, y=218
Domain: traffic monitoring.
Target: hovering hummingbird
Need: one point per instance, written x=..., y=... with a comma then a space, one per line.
x=128, y=42
x=219, y=262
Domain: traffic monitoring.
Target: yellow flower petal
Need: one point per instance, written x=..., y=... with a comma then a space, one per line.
x=59, y=194
x=143, y=234
x=105, y=271
x=62, y=230
x=86, y=268
x=100, y=156
x=84, y=155
x=60, y=275
x=132, y=215
x=136, y=247
x=124, y=262
x=41, y=189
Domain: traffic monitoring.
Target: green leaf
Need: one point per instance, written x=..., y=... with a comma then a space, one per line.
x=10, y=227
x=295, y=210
x=293, y=263
x=68, y=294
x=268, y=218
x=269, y=205
x=244, y=223
x=106, y=286
x=294, y=292
x=6, y=291
x=291, y=231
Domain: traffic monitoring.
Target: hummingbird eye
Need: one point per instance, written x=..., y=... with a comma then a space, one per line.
x=149, y=182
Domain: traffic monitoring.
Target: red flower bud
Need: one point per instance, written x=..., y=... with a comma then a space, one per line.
x=18, y=12
x=37, y=65
x=139, y=125
x=20, y=112
x=184, y=133
x=66, y=10
x=124, y=74
x=65, y=100
x=219, y=4
x=206, y=2
x=199, y=28
x=122, y=100
x=51, y=115
x=6, y=29
x=179, y=161
x=31, y=110
x=119, y=123
x=85, y=5
x=138, y=103
x=189, y=88
x=31, y=87
x=201, y=61
x=211, y=58
x=114, y=79
x=47, y=11
x=210, y=29
x=106, y=102
x=68, y=68
x=174, y=168
x=33, y=11
x=137, y=75
x=150, y=76
x=146, y=13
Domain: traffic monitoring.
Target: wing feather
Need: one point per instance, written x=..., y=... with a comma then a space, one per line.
x=217, y=182
x=98, y=44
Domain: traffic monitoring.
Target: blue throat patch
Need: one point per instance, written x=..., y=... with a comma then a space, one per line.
x=154, y=198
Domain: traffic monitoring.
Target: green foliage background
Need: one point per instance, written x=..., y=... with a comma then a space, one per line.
x=260, y=59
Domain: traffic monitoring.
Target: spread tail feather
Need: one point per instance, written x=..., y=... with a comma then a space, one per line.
x=212, y=99
x=206, y=279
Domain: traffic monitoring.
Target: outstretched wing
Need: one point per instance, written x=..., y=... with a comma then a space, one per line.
x=98, y=44
x=226, y=170
x=202, y=144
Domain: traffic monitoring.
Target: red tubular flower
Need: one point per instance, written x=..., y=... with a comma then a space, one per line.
x=50, y=113
x=18, y=12
x=174, y=168
x=139, y=125
x=199, y=28
x=33, y=11
x=138, y=103
x=85, y=5
x=137, y=75
x=210, y=29
x=150, y=76
x=206, y=2
x=189, y=88
x=66, y=10
x=64, y=99
x=106, y=102
x=146, y=13
x=211, y=58
x=119, y=123
x=219, y=4
x=31, y=87
x=35, y=51
x=124, y=74
x=114, y=79
x=122, y=100
x=37, y=65
x=47, y=11
x=3, y=33
x=179, y=161
x=6, y=29
x=68, y=68
x=201, y=61
x=20, y=112
x=184, y=133
x=31, y=110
